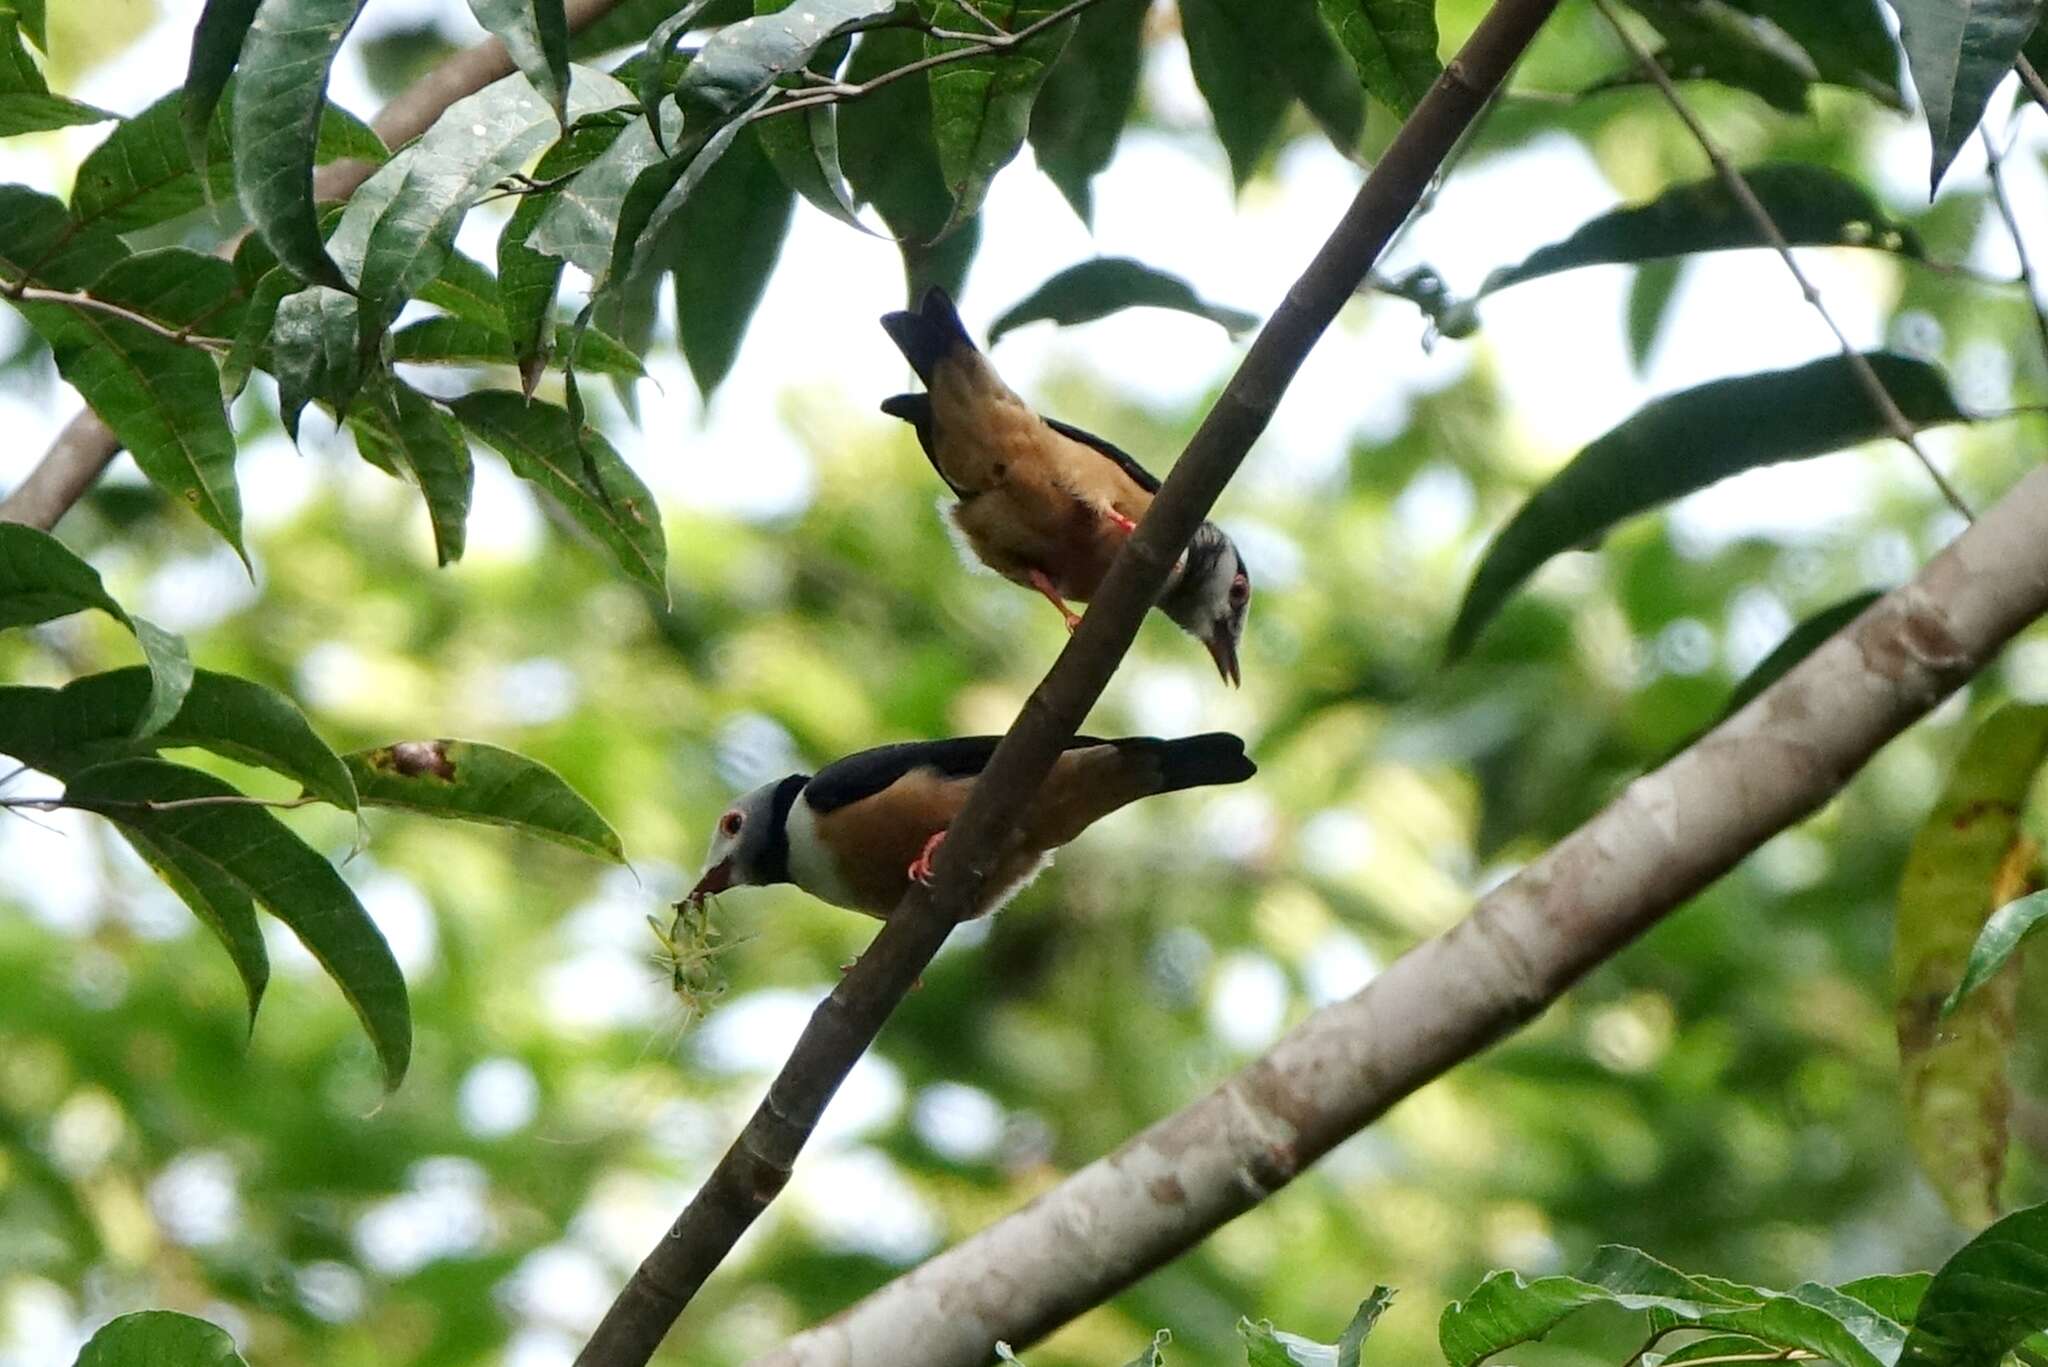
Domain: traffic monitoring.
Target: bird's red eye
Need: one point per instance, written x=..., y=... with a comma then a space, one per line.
x=1240, y=589
x=731, y=822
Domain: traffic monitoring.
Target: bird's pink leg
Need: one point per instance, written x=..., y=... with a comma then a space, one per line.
x=1052, y=595
x=920, y=869
x=1119, y=521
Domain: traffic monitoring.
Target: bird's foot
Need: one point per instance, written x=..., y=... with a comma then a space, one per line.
x=1045, y=587
x=920, y=869
x=1119, y=521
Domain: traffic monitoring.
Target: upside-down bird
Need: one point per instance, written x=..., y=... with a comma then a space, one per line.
x=1041, y=502
x=863, y=828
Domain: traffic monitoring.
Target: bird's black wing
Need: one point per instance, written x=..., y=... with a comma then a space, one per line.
x=1125, y=461
x=868, y=772
x=916, y=409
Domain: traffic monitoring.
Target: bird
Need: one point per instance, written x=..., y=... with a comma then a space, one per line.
x=862, y=829
x=1042, y=502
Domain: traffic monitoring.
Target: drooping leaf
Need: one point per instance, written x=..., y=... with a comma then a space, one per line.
x=1812, y=205
x=730, y=236
x=1087, y=98
x=1247, y=105
x=316, y=353
x=650, y=220
x=1848, y=40
x=1986, y=1299
x=408, y=431
x=99, y=718
x=1996, y=944
x=1392, y=43
x=527, y=278
x=40, y=579
x=216, y=47
x=1958, y=51
x=251, y=344
x=457, y=341
x=536, y=34
x=222, y=905
x=1969, y=857
x=159, y=1338
x=580, y=222
x=286, y=53
x=470, y=781
x=580, y=469
x=804, y=146
x=1716, y=41
x=26, y=104
x=1801, y=642
x=251, y=847
x=885, y=145
x=1650, y=296
x=143, y=174
x=41, y=244
x=1686, y=441
x=981, y=106
x=659, y=67
x=1109, y=284
x=30, y=14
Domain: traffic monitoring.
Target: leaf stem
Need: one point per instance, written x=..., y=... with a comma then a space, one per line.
x=78, y=299
x=2031, y=79
x=103, y=805
x=1896, y=422
x=1994, y=165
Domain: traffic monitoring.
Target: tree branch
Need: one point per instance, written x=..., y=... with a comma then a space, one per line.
x=1896, y=422
x=79, y=299
x=847, y=1021
x=86, y=446
x=1669, y=835
x=1994, y=167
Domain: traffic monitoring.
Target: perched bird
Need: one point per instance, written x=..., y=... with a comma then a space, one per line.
x=1041, y=502
x=861, y=830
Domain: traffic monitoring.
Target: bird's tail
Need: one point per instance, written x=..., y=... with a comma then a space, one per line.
x=1196, y=761
x=929, y=335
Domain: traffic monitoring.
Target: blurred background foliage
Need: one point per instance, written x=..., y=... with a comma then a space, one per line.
x=1723, y=1094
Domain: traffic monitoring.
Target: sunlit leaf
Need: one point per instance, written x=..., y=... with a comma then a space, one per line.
x=981, y=106
x=581, y=470
x=470, y=781
x=159, y=1338
x=410, y=432
x=536, y=34
x=26, y=104
x=1087, y=98
x=1110, y=284
x=1392, y=43
x=1996, y=944
x=1687, y=441
x=258, y=853
x=1505, y=1310
x=1958, y=52
x=1970, y=857
x=1989, y=1297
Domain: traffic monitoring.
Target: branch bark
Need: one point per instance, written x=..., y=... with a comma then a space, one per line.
x=1666, y=837
x=845, y=1024
x=86, y=446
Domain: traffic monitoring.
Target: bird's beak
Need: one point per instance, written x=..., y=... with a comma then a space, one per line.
x=717, y=878
x=1223, y=650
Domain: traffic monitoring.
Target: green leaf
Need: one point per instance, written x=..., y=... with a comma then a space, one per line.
x=1717, y=1347
x=627, y=24
x=285, y=58
x=1997, y=943
x=1802, y=641
x=580, y=223
x=536, y=34
x=1650, y=294
x=1817, y=1319
x=250, y=847
x=193, y=292
x=466, y=290
x=143, y=174
x=316, y=353
x=1958, y=52
x=1969, y=857
x=1504, y=1310
x=251, y=344
x=1848, y=40
x=649, y=222
x=1110, y=284
x=1392, y=43
x=457, y=341
x=26, y=104
x=216, y=46
x=1248, y=106
x=405, y=430
x=41, y=243
x=1812, y=205
x=579, y=467
x=981, y=106
x=1155, y=1351
x=660, y=67
x=1086, y=100
x=804, y=147
x=742, y=61
x=159, y=1338
x=730, y=233
x=1266, y=1346
x=29, y=14
x=222, y=905
x=1986, y=1299
x=99, y=718
x=1894, y=1295
x=40, y=579
x=528, y=279
x=885, y=144
x=161, y=398
x=470, y=781
x=1714, y=40
x=1686, y=441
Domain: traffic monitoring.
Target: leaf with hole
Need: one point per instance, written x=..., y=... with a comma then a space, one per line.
x=579, y=468
x=1958, y=51
x=1391, y=43
x=250, y=847
x=159, y=1338
x=1686, y=441
x=1110, y=284
x=470, y=781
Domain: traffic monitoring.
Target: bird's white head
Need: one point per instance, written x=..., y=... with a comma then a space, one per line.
x=750, y=843
x=1211, y=597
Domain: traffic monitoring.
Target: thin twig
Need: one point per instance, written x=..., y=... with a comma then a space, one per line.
x=80, y=300
x=1897, y=424
x=974, y=12
x=1994, y=166
x=2031, y=79
x=109, y=804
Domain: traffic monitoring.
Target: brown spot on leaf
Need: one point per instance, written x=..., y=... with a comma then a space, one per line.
x=416, y=759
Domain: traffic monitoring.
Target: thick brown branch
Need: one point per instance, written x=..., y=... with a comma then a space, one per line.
x=86, y=446
x=1896, y=423
x=1670, y=834
x=846, y=1023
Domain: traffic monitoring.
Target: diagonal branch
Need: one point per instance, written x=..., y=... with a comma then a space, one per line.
x=847, y=1021
x=1669, y=835
x=1994, y=167
x=1896, y=422
x=86, y=446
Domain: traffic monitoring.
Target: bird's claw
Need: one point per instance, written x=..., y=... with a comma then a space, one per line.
x=920, y=870
x=1119, y=521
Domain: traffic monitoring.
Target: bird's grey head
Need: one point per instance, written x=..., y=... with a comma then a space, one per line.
x=750, y=843
x=1211, y=597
